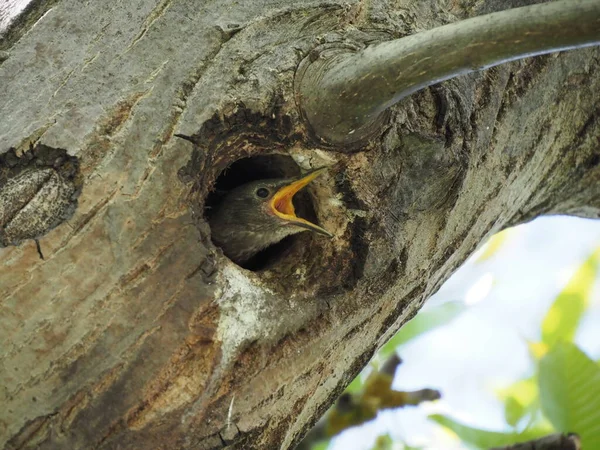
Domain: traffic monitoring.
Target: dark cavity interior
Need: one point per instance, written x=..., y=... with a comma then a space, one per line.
x=262, y=167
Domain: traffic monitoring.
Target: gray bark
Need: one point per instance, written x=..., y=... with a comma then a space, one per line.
x=343, y=91
x=135, y=332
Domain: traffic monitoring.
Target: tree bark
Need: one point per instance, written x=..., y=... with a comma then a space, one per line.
x=552, y=442
x=344, y=93
x=135, y=331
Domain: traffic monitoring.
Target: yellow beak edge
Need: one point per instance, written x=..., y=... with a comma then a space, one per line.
x=282, y=206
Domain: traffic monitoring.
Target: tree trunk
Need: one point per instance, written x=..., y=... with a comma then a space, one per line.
x=135, y=331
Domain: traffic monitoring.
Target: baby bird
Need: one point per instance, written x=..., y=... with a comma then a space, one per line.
x=258, y=214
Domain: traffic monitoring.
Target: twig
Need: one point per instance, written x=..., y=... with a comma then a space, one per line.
x=557, y=441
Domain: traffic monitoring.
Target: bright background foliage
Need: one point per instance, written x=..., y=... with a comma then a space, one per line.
x=512, y=341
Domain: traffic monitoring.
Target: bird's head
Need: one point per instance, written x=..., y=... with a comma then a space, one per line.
x=260, y=213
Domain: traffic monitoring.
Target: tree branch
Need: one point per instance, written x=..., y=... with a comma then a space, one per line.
x=556, y=441
x=341, y=95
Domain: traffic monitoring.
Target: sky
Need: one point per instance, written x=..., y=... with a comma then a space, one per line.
x=485, y=348
x=9, y=10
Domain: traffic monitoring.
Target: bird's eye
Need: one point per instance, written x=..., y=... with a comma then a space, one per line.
x=262, y=192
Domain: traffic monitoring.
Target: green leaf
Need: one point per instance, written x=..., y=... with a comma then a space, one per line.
x=408, y=447
x=569, y=384
x=485, y=439
x=422, y=323
x=405, y=446
x=520, y=399
x=322, y=445
x=513, y=411
x=383, y=442
x=562, y=319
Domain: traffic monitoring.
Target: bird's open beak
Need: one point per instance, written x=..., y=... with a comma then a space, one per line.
x=282, y=206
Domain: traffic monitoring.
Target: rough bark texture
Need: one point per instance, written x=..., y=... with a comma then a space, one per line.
x=343, y=92
x=552, y=442
x=135, y=332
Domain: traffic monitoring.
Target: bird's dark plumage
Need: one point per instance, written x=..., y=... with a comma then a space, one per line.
x=258, y=214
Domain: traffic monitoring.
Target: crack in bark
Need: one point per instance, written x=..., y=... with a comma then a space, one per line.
x=86, y=219
x=33, y=138
x=71, y=408
x=522, y=78
x=99, y=144
x=157, y=12
x=88, y=61
x=179, y=105
x=33, y=433
x=139, y=186
x=61, y=85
